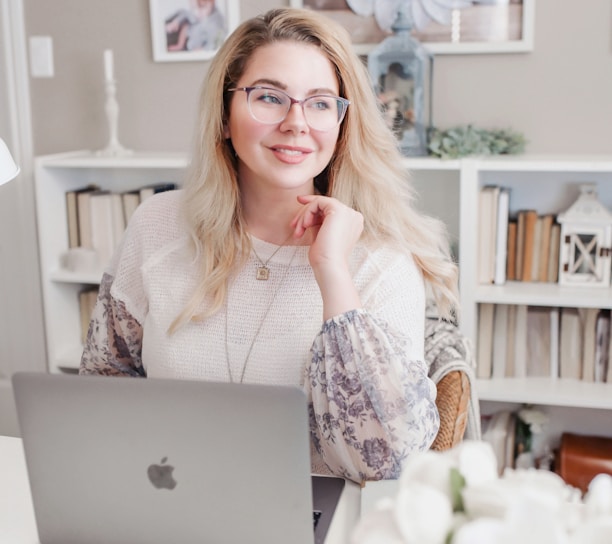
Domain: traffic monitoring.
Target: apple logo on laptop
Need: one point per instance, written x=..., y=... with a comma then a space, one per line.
x=161, y=475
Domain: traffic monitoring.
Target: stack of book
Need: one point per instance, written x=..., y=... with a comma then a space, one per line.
x=535, y=341
x=97, y=218
x=515, y=246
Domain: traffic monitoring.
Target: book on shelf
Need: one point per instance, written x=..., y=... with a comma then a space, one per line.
x=553, y=256
x=500, y=341
x=511, y=251
x=107, y=223
x=131, y=201
x=520, y=242
x=160, y=187
x=511, y=342
x=588, y=318
x=501, y=236
x=84, y=215
x=486, y=227
x=72, y=218
x=570, y=346
x=538, y=341
x=484, y=358
x=555, y=338
x=520, y=341
x=535, y=250
x=529, y=233
x=602, y=345
x=72, y=214
x=546, y=222
x=494, y=205
x=499, y=431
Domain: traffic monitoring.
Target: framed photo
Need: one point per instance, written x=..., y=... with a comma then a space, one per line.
x=481, y=26
x=184, y=30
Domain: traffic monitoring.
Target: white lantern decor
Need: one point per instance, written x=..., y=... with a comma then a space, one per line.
x=586, y=241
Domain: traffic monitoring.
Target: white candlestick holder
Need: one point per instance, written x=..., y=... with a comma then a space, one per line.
x=114, y=148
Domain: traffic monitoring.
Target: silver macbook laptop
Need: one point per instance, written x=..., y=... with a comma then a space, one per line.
x=131, y=461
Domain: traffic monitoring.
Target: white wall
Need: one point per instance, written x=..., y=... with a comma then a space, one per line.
x=558, y=95
x=21, y=323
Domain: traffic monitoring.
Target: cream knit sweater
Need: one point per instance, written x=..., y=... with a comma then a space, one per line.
x=272, y=332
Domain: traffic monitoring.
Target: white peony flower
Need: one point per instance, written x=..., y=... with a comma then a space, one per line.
x=598, y=498
x=476, y=461
x=595, y=531
x=431, y=468
x=494, y=498
x=535, y=517
x=423, y=514
x=378, y=527
x=480, y=531
x=524, y=506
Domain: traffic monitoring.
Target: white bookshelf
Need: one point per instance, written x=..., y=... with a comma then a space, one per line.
x=56, y=174
x=447, y=189
x=547, y=392
x=549, y=184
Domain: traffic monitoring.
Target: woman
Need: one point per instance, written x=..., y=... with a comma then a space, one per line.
x=293, y=256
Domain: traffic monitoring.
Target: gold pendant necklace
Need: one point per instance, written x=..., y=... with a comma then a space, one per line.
x=263, y=319
x=263, y=272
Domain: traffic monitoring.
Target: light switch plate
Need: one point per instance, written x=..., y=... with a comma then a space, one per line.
x=41, y=56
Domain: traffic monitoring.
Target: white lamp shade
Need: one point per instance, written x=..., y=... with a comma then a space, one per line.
x=8, y=168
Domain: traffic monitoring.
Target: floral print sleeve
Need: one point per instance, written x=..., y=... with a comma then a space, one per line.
x=114, y=340
x=370, y=406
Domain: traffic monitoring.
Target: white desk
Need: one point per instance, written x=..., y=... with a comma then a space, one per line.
x=18, y=526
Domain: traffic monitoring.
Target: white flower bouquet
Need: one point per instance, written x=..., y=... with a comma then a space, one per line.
x=457, y=497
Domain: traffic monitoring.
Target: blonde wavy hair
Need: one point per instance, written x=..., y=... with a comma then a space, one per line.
x=365, y=173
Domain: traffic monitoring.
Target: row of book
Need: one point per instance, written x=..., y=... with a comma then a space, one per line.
x=536, y=341
x=97, y=218
x=523, y=246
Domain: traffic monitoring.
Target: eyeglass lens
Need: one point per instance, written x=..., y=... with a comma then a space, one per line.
x=271, y=106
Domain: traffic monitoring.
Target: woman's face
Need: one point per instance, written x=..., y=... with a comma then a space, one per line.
x=287, y=154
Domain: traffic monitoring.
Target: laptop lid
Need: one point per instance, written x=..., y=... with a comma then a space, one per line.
x=129, y=461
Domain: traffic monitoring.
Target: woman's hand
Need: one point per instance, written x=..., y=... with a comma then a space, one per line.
x=335, y=228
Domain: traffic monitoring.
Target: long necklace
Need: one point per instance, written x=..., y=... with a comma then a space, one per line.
x=263, y=272
x=263, y=319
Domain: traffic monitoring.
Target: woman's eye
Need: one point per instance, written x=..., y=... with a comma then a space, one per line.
x=320, y=104
x=271, y=98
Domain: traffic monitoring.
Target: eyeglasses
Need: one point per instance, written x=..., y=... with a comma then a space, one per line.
x=270, y=106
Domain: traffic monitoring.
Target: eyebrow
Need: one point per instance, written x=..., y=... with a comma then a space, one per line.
x=276, y=83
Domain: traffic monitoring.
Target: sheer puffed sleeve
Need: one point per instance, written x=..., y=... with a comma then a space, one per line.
x=372, y=403
x=114, y=340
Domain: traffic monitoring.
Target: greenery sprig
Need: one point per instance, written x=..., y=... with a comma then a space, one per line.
x=467, y=140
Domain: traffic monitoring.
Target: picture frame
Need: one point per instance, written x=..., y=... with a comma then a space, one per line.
x=190, y=30
x=485, y=26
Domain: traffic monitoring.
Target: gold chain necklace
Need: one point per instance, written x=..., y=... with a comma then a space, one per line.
x=263, y=272
x=263, y=319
